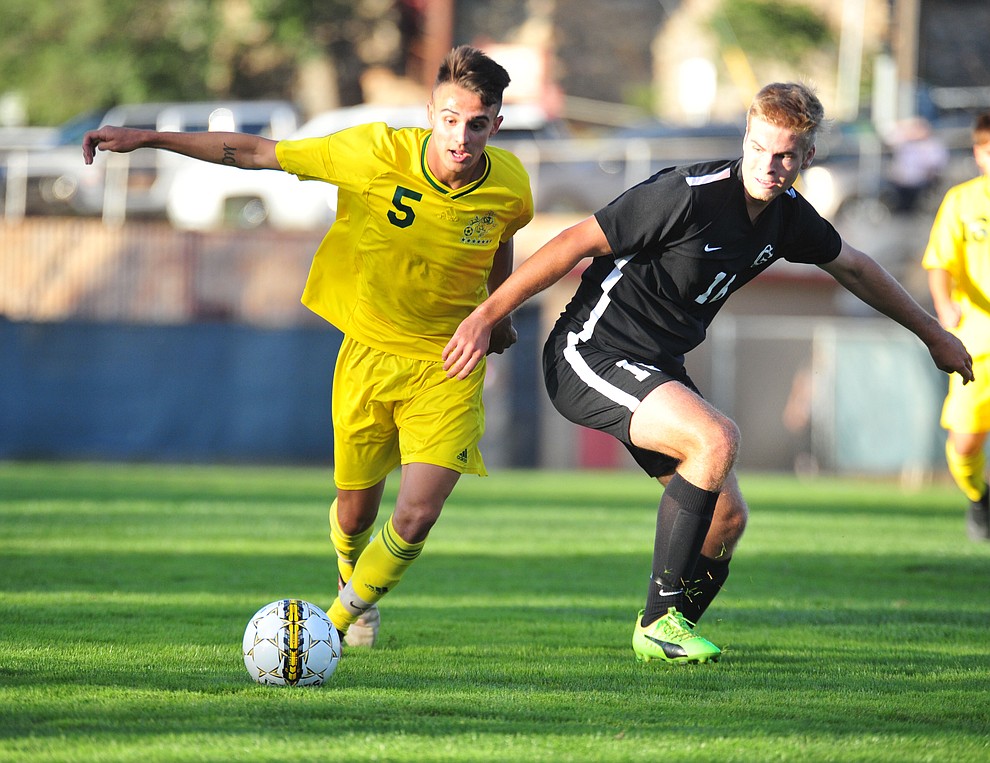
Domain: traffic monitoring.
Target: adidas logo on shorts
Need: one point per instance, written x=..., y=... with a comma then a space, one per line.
x=463, y=456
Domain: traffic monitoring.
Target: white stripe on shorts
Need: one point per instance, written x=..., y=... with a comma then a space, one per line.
x=573, y=357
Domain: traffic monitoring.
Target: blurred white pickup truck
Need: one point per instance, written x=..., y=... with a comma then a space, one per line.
x=52, y=179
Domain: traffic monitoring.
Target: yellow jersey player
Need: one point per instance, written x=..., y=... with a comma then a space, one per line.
x=423, y=233
x=958, y=263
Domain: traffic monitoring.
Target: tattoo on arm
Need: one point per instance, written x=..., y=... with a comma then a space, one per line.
x=229, y=155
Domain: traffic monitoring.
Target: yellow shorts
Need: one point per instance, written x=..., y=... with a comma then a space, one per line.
x=967, y=407
x=389, y=410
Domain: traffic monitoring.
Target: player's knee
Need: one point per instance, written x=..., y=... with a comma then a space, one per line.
x=413, y=521
x=721, y=441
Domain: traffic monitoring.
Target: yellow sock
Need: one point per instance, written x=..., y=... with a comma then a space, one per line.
x=967, y=471
x=348, y=547
x=377, y=572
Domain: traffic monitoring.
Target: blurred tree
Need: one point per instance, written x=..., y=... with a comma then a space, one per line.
x=71, y=56
x=76, y=55
x=772, y=29
x=332, y=42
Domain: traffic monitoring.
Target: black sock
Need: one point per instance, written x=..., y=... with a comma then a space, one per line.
x=708, y=578
x=683, y=518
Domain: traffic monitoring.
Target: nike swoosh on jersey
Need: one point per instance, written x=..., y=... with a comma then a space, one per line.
x=710, y=248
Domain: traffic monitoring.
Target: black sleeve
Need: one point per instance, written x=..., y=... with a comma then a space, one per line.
x=813, y=239
x=646, y=213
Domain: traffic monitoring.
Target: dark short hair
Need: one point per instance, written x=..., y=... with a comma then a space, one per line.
x=791, y=105
x=981, y=129
x=469, y=68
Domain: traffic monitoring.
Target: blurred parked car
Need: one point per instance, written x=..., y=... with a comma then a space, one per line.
x=56, y=181
x=844, y=178
x=33, y=193
x=849, y=178
x=632, y=154
x=207, y=196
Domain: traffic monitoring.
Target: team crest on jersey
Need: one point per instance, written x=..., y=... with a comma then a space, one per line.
x=976, y=230
x=479, y=230
x=763, y=257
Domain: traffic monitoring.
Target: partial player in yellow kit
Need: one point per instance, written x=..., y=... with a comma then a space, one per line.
x=958, y=263
x=423, y=233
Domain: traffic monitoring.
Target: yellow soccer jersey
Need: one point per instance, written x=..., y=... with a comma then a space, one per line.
x=407, y=258
x=960, y=244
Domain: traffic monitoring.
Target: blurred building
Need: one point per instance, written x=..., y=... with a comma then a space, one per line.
x=639, y=52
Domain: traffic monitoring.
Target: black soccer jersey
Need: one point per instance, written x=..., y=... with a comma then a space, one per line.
x=682, y=242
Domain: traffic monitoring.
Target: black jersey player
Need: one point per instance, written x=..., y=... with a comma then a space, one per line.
x=665, y=257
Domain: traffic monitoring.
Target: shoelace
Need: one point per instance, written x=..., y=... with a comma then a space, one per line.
x=674, y=625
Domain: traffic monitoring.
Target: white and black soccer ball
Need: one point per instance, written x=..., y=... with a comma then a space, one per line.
x=291, y=642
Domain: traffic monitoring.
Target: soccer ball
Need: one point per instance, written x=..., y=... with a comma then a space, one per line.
x=291, y=642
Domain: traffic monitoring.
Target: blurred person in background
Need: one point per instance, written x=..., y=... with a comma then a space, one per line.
x=665, y=256
x=424, y=231
x=918, y=160
x=957, y=259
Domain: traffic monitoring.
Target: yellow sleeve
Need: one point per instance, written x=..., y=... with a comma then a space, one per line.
x=307, y=158
x=341, y=158
x=946, y=238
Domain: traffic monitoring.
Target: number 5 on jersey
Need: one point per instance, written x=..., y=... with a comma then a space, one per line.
x=403, y=214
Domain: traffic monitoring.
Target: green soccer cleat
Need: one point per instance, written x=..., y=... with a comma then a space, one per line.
x=671, y=639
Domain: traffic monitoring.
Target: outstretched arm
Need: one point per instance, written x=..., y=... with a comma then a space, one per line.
x=232, y=148
x=549, y=264
x=862, y=276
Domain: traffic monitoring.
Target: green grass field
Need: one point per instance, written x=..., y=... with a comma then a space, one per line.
x=856, y=624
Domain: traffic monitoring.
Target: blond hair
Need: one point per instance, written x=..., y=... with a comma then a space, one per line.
x=790, y=105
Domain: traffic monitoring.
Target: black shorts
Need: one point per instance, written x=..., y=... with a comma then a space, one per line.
x=601, y=390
